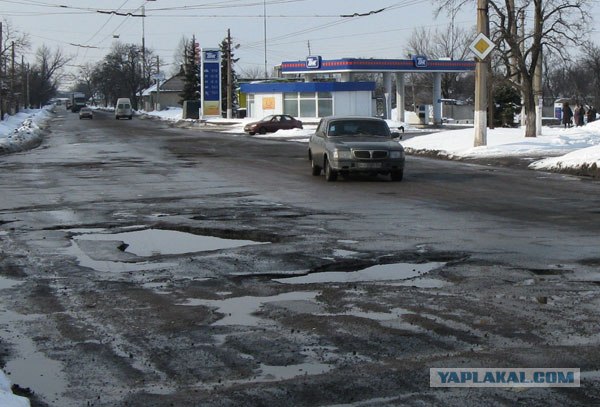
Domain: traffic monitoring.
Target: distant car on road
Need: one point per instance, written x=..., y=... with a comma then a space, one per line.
x=350, y=145
x=272, y=123
x=86, y=113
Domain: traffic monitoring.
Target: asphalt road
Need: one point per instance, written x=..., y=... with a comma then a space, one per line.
x=143, y=264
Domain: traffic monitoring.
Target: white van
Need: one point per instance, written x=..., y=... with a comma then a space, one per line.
x=123, y=108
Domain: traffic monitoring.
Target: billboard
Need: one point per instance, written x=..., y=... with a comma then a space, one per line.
x=210, y=79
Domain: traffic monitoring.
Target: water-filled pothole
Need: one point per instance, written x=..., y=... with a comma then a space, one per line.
x=241, y=310
x=379, y=272
x=153, y=242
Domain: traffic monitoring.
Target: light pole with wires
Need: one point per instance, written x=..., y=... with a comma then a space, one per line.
x=144, y=39
x=265, y=33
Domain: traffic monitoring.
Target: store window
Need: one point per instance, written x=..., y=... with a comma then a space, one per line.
x=290, y=104
x=325, y=103
x=308, y=104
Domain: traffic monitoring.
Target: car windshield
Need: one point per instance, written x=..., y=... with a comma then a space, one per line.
x=358, y=128
x=267, y=118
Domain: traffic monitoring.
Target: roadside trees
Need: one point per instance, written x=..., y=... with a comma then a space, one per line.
x=521, y=29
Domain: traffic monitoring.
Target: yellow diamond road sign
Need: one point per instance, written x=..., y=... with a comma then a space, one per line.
x=482, y=46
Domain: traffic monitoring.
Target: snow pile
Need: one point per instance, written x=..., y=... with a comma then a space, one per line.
x=7, y=398
x=23, y=130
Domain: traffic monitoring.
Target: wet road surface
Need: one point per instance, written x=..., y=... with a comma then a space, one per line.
x=146, y=265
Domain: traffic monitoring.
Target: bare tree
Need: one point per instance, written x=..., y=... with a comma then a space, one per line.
x=13, y=43
x=556, y=25
x=252, y=72
x=47, y=73
x=592, y=63
x=85, y=79
x=179, y=56
x=12, y=36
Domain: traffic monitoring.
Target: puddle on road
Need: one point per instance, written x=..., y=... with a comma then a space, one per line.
x=239, y=310
x=8, y=283
x=277, y=373
x=151, y=242
x=31, y=368
x=380, y=272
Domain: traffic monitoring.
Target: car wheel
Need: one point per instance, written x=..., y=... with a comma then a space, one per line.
x=330, y=173
x=262, y=130
x=316, y=170
x=130, y=117
x=397, y=175
x=251, y=133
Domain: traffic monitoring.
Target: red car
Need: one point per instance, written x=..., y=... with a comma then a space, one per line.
x=272, y=123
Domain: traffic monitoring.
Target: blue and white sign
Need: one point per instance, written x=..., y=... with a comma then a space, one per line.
x=210, y=79
x=313, y=62
x=420, y=61
x=212, y=55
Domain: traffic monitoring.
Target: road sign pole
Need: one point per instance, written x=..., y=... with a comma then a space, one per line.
x=481, y=73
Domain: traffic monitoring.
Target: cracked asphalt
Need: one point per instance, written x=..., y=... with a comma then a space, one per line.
x=302, y=293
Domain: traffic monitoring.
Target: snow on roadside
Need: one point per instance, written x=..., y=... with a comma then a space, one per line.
x=23, y=131
x=7, y=398
x=572, y=150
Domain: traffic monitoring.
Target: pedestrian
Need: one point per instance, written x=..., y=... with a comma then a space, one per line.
x=578, y=115
x=591, y=114
x=567, y=115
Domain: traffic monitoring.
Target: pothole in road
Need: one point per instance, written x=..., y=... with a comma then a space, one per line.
x=408, y=273
x=8, y=283
x=155, y=242
x=241, y=310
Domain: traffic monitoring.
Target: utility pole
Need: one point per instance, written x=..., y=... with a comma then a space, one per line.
x=1, y=76
x=538, y=91
x=522, y=39
x=143, y=43
x=481, y=73
x=265, y=34
x=13, y=99
x=23, y=85
x=157, y=83
x=229, y=75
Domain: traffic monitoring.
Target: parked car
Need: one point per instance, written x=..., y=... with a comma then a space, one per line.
x=86, y=113
x=123, y=109
x=350, y=145
x=272, y=123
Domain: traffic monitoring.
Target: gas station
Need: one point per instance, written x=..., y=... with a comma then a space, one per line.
x=316, y=94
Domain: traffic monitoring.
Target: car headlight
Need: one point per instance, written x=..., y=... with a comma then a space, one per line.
x=396, y=154
x=342, y=154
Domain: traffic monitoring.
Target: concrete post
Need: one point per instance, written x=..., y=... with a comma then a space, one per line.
x=437, y=99
x=481, y=80
x=400, y=97
x=387, y=86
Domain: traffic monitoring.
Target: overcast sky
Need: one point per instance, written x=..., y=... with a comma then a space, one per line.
x=82, y=29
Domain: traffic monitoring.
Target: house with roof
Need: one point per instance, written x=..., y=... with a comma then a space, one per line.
x=163, y=95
